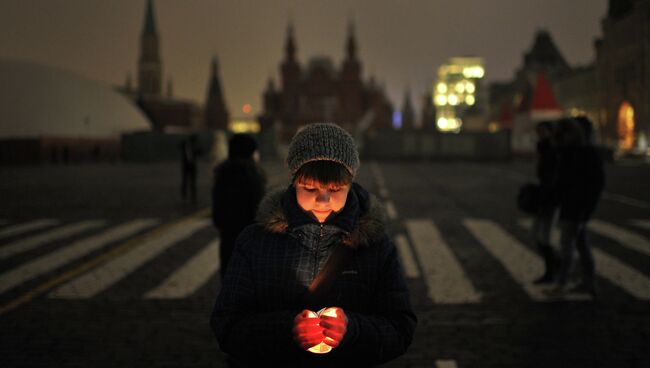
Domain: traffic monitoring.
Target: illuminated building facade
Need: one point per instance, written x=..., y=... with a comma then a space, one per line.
x=457, y=93
x=623, y=73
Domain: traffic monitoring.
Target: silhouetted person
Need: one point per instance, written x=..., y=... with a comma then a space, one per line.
x=239, y=185
x=547, y=162
x=581, y=179
x=189, y=153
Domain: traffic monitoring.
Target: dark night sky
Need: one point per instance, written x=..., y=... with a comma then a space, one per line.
x=400, y=42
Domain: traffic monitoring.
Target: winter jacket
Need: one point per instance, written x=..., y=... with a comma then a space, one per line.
x=239, y=185
x=274, y=263
x=580, y=181
x=547, y=163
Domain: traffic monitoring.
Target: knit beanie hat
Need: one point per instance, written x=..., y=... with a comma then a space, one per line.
x=241, y=146
x=323, y=141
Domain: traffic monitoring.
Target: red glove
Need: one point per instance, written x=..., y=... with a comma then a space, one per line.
x=335, y=324
x=306, y=329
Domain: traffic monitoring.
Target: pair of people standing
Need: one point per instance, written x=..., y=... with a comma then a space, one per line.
x=571, y=175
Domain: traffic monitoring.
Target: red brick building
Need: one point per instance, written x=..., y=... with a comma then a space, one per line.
x=320, y=92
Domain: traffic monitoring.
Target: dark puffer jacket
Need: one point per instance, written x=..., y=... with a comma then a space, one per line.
x=238, y=188
x=547, y=162
x=273, y=265
x=580, y=182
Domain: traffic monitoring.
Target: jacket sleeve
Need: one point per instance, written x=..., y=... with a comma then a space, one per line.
x=217, y=199
x=387, y=332
x=241, y=329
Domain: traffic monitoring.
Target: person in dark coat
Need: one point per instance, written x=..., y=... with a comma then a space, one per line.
x=580, y=182
x=266, y=312
x=239, y=185
x=189, y=153
x=547, y=162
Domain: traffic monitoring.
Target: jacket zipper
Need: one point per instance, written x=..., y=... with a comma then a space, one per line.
x=316, y=252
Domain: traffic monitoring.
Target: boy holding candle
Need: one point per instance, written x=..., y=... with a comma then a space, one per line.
x=266, y=310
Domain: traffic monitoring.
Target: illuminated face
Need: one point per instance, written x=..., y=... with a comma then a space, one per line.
x=319, y=199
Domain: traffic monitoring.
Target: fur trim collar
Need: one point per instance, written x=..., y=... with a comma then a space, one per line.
x=369, y=230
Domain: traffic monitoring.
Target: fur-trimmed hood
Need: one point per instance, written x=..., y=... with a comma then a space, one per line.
x=369, y=218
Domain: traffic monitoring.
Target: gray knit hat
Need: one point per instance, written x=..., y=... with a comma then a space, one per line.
x=323, y=141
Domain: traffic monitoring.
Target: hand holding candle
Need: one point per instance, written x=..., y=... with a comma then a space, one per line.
x=320, y=332
x=306, y=330
x=335, y=324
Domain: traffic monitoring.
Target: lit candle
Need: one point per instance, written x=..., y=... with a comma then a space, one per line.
x=322, y=347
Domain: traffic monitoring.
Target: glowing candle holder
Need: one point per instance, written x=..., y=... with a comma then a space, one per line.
x=322, y=347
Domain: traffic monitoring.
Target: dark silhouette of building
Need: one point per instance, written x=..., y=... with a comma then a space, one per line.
x=321, y=92
x=514, y=96
x=166, y=112
x=408, y=114
x=428, y=113
x=149, y=63
x=623, y=73
x=216, y=112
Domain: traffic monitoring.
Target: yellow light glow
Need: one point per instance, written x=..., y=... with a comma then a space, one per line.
x=322, y=347
x=453, y=100
x=460, y=88
x=454, y=124
x=475, y=71
x=441, y=100
x=470, y=87
x=442, y=123
x=244, y=126
x=470, y=100
x=441, y=88
x=625, y=128
x=449, y=124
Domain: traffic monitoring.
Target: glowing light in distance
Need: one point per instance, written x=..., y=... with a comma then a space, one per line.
x=453, y=100
x=460, y=88
x=247, y=108
x=441, y=88
x=449, y=124
x=473, y=72
x=244, y=126
x=443, y=123
x=470, y=87
x=470, y=100
x=397, y=119
x=441, y=100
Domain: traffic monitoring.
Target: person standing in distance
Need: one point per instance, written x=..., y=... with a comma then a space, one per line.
x=239, y=185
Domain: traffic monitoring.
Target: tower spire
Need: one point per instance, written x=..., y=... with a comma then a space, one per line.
x=216, y=112
x=290, y=45
x=149, y=19
x=215, y=84
x=352, y=42
x=149, y=64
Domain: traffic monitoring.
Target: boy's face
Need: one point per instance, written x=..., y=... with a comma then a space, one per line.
x=320, y=199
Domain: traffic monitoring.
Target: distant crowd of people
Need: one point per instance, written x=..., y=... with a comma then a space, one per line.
x=571, y=179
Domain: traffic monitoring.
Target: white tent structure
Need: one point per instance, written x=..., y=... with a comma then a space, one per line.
x=47, y=112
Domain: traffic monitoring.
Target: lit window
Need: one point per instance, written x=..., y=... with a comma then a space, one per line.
x=460, y=88
x=470, y=88
x=470, y=100
x=453, y=100
x=441, y=100
x=442, y=88
x=473, y=72
x=442, y=124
